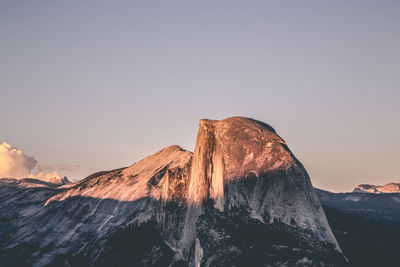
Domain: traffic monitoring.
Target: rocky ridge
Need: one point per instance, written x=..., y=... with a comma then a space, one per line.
x=377, y=189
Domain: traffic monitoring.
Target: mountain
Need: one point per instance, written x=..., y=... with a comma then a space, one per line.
x=33, y=182
x=378, y=189
x=240, y=199
x=26, y=182
x=367, y=226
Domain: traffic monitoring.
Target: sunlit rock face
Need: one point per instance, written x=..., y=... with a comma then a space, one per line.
x=141, y=180
x=240, y=197
x=377, y=189
x=241, y=162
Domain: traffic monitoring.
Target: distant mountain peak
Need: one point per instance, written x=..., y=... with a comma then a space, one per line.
x=377, y=189
x=34, y=182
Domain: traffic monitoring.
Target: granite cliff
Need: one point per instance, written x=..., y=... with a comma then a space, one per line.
x=241, y=196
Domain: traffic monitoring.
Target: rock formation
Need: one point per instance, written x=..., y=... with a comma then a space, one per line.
x=242, y=195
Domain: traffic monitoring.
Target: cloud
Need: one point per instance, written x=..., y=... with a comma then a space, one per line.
x=59, y=167
x=15, y=164
x=52, y=177
x=44, y=168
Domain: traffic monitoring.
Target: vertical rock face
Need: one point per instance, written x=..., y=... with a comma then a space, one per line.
x=240, y=197
x=241, y=163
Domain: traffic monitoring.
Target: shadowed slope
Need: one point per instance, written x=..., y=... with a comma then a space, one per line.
x=367, y=226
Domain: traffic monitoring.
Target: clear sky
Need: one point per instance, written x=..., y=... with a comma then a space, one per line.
x=102, y=84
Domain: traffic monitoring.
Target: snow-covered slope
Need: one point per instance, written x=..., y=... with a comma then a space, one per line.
x=378, y=189
x=240, y=196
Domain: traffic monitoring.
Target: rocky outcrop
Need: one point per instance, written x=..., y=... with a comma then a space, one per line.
x=242, y=164
x=240, y=196
x=377, y=189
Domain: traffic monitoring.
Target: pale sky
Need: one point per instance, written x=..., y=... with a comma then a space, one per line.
x=97, y=85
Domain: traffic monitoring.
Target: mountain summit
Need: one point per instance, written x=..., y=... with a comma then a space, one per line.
x=242, y=164
x=241, y=197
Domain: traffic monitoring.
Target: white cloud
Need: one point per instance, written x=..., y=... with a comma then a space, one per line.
x=52, y=177
x=15, y=164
